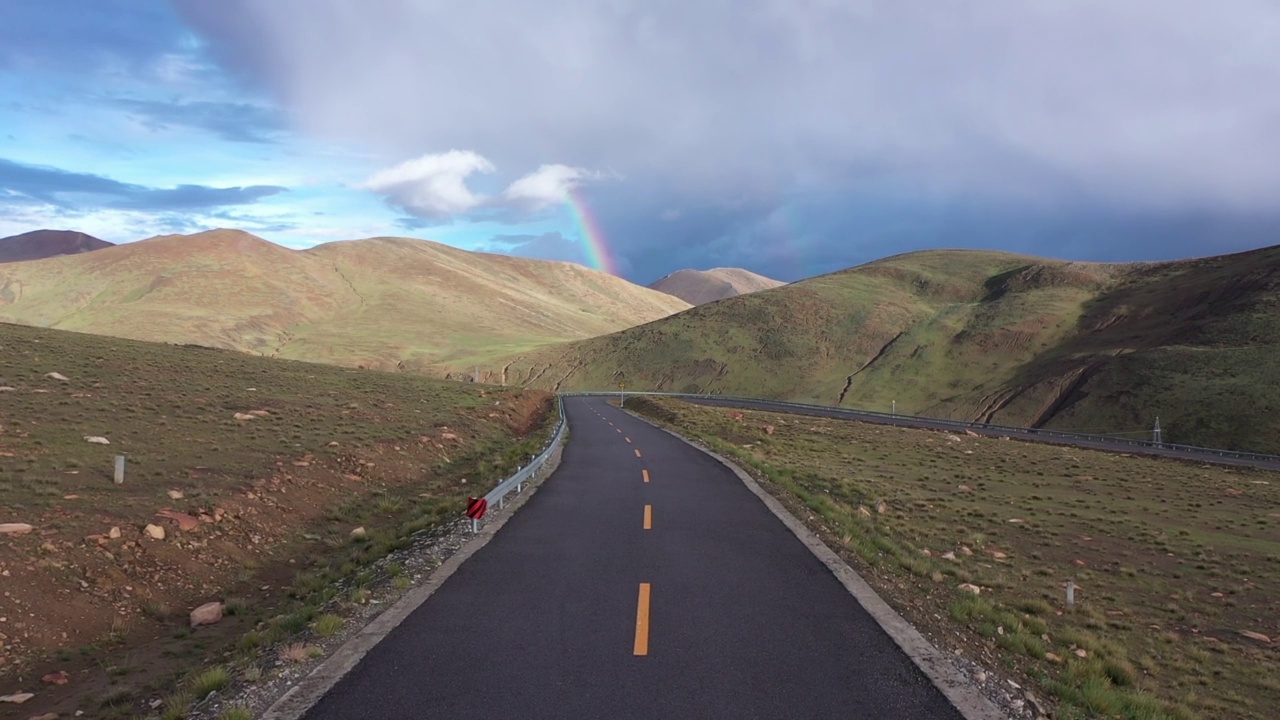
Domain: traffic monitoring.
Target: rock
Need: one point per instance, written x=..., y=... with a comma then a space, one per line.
x=964, y=488
x=359, y=533
x=46, y=716
x=448, y=436
x=186, y=523
x=981, y=677
x=948, y=556
x=15, y=528
x=58, y=376
x=17, y=698
x=6, y=388
x=1081, y=653
x=863, y=511
x=207, y=614
x=969, y=588
x=96, y=440
x=244, y=416
x=56, y=678
x=154, y=532
x=1016, y=521
x=175, y=494
x=882, y=507
x=333, y=443
x=114, y=533
x=1217, y=595
x=953, y=438
x=259, y=413
x=964, y=550
x=1256, y=636
x=1052, y=658
x=768, y=429
x=971, y=433
x=926, y=552
x=997, y=555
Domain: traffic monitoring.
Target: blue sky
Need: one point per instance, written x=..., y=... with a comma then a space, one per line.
x=789, y=137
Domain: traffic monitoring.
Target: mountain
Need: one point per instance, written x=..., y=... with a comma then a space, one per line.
x=39, y=244
x=380, y=302
x=698, y=287
x=982, y=336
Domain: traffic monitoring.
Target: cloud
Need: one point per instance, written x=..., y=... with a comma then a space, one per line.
x=547, y=186
x=73, y=190
x=434, y=186
x=1157, y=103
x=431, y=186
x=233, y=121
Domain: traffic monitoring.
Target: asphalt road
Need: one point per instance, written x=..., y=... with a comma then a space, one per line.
x=610, y=597
x=1030, y=434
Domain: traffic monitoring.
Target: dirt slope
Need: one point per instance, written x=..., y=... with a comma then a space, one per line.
x=983, y=336
x=39, y=244
x=698, y=287
x=381, y=302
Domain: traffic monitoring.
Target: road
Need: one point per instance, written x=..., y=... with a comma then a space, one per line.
x=642, y=580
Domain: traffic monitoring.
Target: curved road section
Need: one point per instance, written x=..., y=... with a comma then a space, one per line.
x=643, y=580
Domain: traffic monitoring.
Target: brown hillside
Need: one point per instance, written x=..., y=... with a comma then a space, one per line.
x=39, y=244
x=698, y=287
x=383, y=302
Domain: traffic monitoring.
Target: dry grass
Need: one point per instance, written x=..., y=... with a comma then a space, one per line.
x=379, y=302
x=1173, y=560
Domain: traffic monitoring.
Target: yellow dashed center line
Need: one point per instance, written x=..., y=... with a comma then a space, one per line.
x=637, y=452
x=646, y=475
x=642, y=621
x=648, y=517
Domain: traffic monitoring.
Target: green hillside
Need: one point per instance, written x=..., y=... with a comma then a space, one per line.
x=978, y=335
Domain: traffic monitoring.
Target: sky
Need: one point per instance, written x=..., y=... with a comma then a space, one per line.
x=789, y=137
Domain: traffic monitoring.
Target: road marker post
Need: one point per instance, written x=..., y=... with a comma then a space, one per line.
x=119, y=476
x=475, y=510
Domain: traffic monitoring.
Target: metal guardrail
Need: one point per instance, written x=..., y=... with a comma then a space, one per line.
x=517, y=481
x=984, y=428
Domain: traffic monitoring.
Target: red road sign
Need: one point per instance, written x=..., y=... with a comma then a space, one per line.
x=476, y=507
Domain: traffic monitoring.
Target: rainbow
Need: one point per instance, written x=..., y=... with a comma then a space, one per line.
x=592, y=238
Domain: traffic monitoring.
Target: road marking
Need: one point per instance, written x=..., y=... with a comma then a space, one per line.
x=628, y=439
x=646, y=475
x=648, y=517
x=642, y=621
x=619, y=431
x=637, y=452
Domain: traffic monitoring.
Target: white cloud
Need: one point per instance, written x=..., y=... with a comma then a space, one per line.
x=435, y=186
x=548, y=185
x=432, y=186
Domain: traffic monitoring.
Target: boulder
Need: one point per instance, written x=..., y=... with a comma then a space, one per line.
x=186, y=523
x=1256, y=636
x=15, y=528
x=207, y=614
x=114, y=533
x=96, y=440
x=175, y=494
x=969, y=588
x=16, y=698
x=154, y=532
x=58, y=376
x=358, y=533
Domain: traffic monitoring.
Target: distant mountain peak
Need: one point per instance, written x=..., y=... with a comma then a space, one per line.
x=698, y=287
x=40, y=244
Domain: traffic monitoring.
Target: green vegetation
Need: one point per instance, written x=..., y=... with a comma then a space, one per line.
x=1173, y=561
x=385, y=303
x=978, y=335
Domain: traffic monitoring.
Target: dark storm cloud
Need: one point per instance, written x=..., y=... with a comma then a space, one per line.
x=73, y=190
x=73, y=35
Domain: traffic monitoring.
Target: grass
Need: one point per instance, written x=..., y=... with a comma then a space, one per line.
x=327, y=625
x=1172, y=560
x=1009, y=339
x=211, y=680
x=288, y=491
x=381, y=303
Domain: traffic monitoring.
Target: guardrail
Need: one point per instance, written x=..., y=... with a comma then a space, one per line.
x=984, y=428
x=517, y=481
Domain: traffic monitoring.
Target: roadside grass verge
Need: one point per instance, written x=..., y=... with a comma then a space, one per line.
x=1173, y=561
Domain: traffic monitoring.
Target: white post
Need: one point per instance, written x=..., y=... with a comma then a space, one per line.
x=895, y=408
x=1071, y=593
x=119, y=478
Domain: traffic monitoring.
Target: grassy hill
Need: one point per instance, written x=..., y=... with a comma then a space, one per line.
x=381, y=302
x=698, y=287
x=979, y=335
